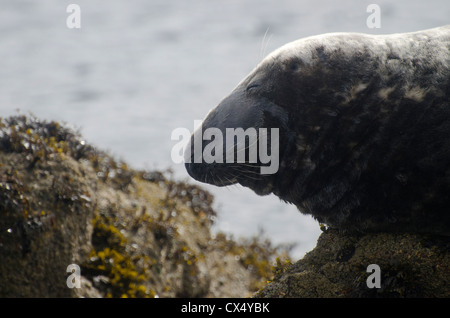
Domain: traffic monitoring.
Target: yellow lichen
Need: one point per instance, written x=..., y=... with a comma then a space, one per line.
x=113, y=261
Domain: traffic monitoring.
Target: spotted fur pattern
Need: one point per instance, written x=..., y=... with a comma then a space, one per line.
x=364, y=129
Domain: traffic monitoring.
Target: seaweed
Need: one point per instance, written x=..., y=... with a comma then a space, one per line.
x=110, y=258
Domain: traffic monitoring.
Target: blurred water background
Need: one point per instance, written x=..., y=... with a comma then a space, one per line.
x=138, y=69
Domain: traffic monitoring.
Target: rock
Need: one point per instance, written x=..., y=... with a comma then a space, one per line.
x=131, y=233
x=44, y=226
x=141, y=234
x=411, y=265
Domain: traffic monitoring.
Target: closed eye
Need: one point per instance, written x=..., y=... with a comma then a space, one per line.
x=252, y=86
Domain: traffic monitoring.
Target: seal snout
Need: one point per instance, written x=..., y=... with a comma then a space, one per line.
x=226, y=148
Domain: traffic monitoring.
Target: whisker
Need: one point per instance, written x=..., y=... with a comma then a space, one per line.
x=250, y=167
x=264, y=46
x=255, y=176
x=247, y=172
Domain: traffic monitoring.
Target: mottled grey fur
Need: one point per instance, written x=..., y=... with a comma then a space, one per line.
x=364, y=129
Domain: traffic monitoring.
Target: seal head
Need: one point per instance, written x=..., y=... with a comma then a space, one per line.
x=364, y=130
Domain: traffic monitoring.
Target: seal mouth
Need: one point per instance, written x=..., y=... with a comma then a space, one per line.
x=211, y=174
x=221, y=174
x=231, y=174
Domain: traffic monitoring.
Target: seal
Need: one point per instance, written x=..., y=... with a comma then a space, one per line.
x=364, y=130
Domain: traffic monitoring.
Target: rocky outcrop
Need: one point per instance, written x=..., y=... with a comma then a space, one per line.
x=409, y=265
x=140, y=234
x=131, y=233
